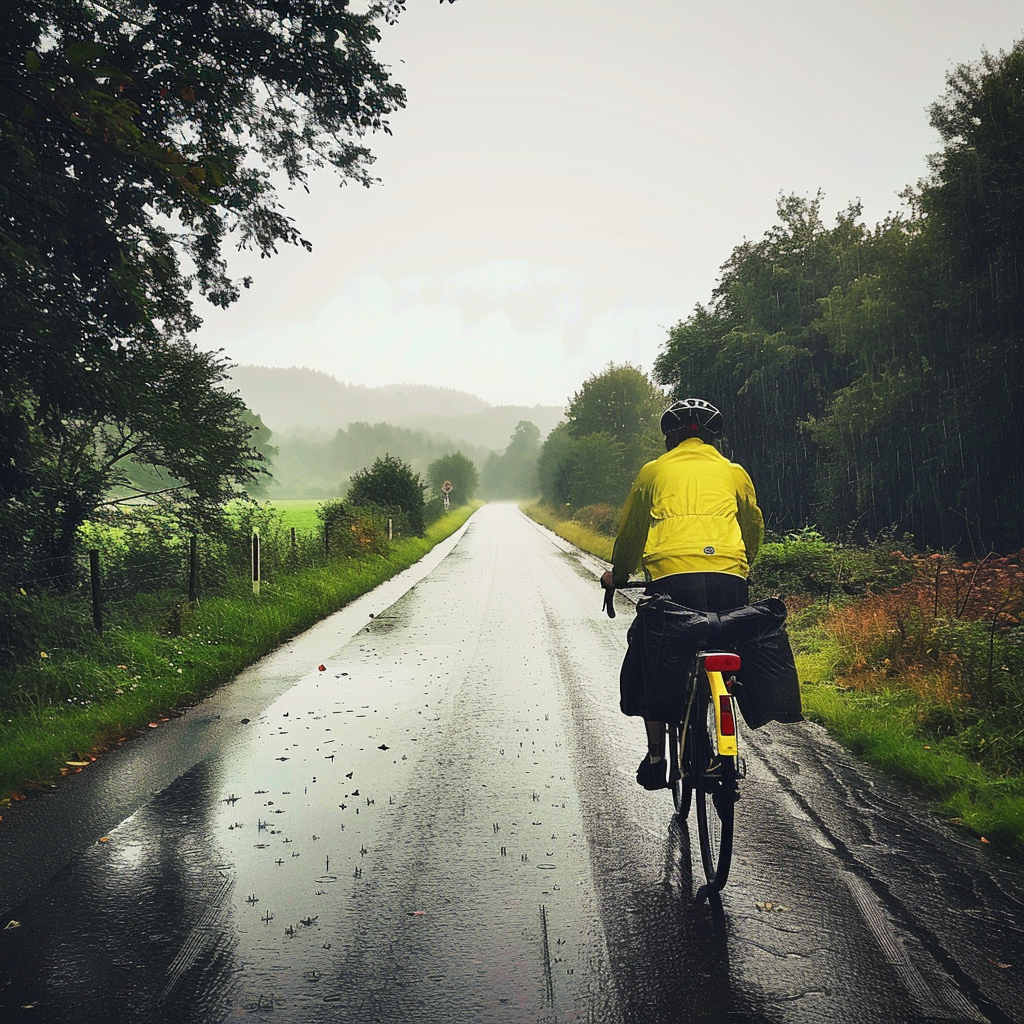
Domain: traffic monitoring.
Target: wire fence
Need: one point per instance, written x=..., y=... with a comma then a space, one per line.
x=144, y=568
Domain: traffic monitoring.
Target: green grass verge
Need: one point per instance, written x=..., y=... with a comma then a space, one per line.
x=74, y=703
x=883, y=728
x=573, y=532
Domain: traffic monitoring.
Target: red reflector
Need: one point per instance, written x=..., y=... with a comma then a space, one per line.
x=722, y=662
x=728, y=722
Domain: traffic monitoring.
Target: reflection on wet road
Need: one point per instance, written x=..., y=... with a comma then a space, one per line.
x=442, y=825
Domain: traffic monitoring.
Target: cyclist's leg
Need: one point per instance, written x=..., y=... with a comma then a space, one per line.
x=652, y=772
x=655, y=738
x=680, y=775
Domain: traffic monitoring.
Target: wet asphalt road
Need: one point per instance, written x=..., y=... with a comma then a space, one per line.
x=443, y=826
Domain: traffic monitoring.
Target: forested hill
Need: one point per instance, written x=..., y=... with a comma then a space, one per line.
x=313, y=400
x=323, y=430
x=303, y=400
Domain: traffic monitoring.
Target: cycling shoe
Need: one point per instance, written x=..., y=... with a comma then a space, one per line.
x=652, y=776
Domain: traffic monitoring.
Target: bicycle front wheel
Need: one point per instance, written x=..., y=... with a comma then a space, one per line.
x=714, y=783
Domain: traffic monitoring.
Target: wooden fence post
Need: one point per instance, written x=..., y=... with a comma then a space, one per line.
x=94, y=578
x=193, y=568
x=256, y=562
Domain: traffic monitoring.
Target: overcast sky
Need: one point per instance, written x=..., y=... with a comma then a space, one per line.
x=569, y=175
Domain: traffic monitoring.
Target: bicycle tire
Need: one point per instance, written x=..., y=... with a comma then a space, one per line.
x=714, y=781
x=682, y=787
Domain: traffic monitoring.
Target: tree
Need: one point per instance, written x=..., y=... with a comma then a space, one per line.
x=918, y=436
x=513, y=474
x=390, y=484
x=555, y=466
x=622, y=408
x=974, y=200
x=179, y=441
x=620, y=401
x=119, y=122
x=260, y=435
x=596, y=471
x=134, y=138
x=976, y=188
x=761, y=351
x=458, y=471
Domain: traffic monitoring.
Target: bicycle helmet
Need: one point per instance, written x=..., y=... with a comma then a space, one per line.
x=692, y=415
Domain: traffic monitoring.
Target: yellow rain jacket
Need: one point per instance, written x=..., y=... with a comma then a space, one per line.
x=691, y=510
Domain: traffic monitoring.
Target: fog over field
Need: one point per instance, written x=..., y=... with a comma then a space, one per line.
x=324, y=430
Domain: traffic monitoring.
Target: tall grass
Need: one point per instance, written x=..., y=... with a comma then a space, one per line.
x=926, y=680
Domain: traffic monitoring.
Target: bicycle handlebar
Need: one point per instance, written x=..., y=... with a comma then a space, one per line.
x=609, y=594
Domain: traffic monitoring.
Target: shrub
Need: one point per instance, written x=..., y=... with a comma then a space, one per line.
x=804, y=562
x=353, y=531
x=36, y=624
x=433, y=509
x=800, y=563
x=602, y=519
x=142, y=549
x=391, y=485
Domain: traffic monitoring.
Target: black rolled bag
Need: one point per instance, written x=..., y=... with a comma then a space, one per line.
x=664, y=637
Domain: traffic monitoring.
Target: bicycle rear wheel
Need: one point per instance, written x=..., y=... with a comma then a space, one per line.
x=682, y=784
x=714, y=782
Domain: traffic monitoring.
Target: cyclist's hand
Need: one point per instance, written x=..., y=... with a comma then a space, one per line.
x=609, y=594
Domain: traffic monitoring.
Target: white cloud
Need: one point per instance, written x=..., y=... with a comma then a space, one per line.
x=508, y=331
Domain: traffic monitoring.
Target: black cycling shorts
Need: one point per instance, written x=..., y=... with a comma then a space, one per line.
x=705, y=591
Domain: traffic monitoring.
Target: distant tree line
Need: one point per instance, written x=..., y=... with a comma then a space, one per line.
x=872, y=378
x=312, y=465
x=512, y=473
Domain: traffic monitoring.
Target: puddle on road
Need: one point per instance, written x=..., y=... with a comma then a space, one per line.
x=236, y=880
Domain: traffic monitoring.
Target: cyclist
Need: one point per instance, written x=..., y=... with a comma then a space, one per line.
x=691, y=519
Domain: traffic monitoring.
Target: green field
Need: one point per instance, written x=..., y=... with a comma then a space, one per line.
x=298, y=512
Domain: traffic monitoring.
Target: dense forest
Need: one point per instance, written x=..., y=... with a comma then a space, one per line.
x=872, y=378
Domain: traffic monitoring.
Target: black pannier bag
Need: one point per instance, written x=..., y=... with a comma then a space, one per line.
x=664, y=637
